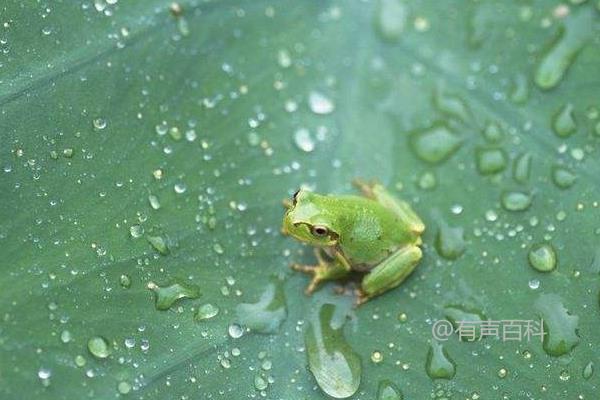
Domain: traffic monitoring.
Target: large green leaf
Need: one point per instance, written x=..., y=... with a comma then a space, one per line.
x=483, y=115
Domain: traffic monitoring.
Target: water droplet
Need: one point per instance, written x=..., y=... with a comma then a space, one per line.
x=439, y=365
x=159, y=244
x=99, y=123
x=390, y=19
x=435, y=144
x=125, y=281
x=522, y=168
x=516, y=201
x=456, y=314
x=166, y=296
x=136, y=231
x=304, y=140
x=333, y=363
x=490, y=160
x=588, y=370
x=80, y=360
x=388, y=391
x=266, y=315
x=427, y=181
x=376, y=357
x=65, y=336
x=320, y=104
x=478, y=27
x=564, y=375
x=563, y=122
x=451, y=105
x=563, y=177
x=502, y=372
x=542, y=257
x=260, y=383
x=564, y=50
x=206, y=311
x=180, y=188
x=44, y=373
x=534, y=284
x=99, y=347
x=124, y=387
x=450, y=241
x=520, y=89
x=492, y=132
x=560, y=327
x=235, y=331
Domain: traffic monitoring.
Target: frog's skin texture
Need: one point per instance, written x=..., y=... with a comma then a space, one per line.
x=376, y=234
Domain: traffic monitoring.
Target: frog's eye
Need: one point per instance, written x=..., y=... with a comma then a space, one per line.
x=319, y=231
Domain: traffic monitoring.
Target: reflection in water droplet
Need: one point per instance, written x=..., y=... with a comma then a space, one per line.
x=235, y=331
x=388, y=391
x=390, y=19
x=98, y=347
x=542, y=257
x=516, y=201
x=564, y=50
x=560, y=327
x=490, y=160
x=563, y=122
x=439, y=365
x=435, y=144
x=267, y=314
x=333, y=363
x=166, y=296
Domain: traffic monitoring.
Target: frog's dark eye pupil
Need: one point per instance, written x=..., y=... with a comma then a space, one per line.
x=319, y=231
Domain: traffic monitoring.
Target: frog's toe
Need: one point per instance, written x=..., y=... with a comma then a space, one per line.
x=307, y=269
x=361, y=298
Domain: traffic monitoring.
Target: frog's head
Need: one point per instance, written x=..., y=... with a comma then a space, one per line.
x=310, y=219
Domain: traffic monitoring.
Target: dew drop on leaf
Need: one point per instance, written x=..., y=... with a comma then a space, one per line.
x=450, y=241
x=490, y=161
x=560, y=327
x=435, y=144
x=542, y=257
x=206, y=311
x=560, y=56
x=99, y=347
x=388, y=391
x=563, y=122
x=563, y=177
x=166, y=296
x=439, y=365
x=390, y=19
x=304, y=140
x=266, y=315
x=515, y=200
x=159, y=244
x=333, y=363
x=320, y=104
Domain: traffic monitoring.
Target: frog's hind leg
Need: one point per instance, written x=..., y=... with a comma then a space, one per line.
x=323, y=271
x=390, y=273
x=402, y=209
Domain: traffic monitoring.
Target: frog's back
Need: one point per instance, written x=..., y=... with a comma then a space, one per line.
x=369, y=232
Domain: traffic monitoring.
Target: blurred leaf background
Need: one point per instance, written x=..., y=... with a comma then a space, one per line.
x=145, y=144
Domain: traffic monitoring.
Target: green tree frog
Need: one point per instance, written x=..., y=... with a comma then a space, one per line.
x=375, y=234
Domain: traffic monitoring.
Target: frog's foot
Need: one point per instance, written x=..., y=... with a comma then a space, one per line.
x=361, y=298
x=321, y=272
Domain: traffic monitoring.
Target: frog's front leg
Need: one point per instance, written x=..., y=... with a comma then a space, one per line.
x=390, y=273
x=323, y=271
